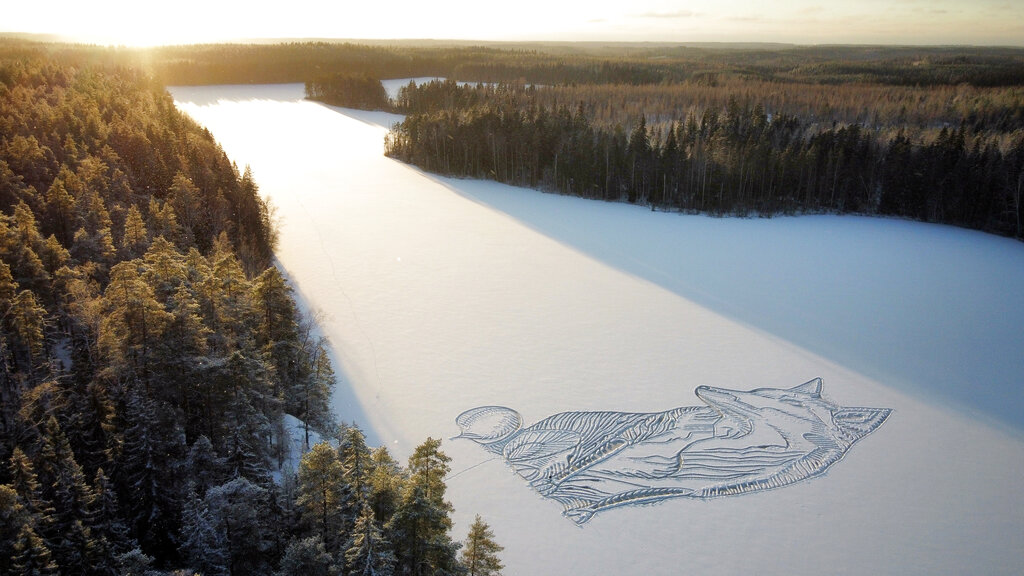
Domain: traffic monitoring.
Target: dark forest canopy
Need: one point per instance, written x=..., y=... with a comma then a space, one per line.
x=559, y=63
x=724, y=158
x=150, y=358
x=360, y=91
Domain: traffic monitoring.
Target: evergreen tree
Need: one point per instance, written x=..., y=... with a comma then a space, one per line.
x=133, y=321
x=109, y=523
x=53, y=255
x=74, y=547
x=277, y=312
x=134, y=563
x=308, y=398
x=10, y=385
x=59, y=206
x=207, y=468
x=420, y=527
x=147, y=477
x=135, y=239
x=32, y=556
x=239, y=510
x=307, y=557
x=162, y=219
x=386, y=481
x=13, y=518
x=183, y=197
x=480, y=554
x=25, y=482
x=354, y=457
x=322, y=492
x=26, y=319
x=201, y=542
x=368, y=553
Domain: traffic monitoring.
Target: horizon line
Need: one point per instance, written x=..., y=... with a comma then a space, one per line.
x=56, y=38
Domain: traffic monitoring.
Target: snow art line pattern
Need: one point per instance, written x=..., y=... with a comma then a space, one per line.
x=739, y=442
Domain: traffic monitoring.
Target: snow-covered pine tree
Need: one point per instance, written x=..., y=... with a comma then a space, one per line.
x=386, y=481
x=419, y=529
x=147, y=478
x=322, y=493
x=309, y=395
x=307, y=557
x=201, y=543
x=206, y=468
x=108, y=522
x=368, y=553
x=480, y=554
x=354, y=457
x=239, y=510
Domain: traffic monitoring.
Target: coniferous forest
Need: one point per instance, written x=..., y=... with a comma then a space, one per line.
x=931, y=133
x=722, y=152
x=152, y=357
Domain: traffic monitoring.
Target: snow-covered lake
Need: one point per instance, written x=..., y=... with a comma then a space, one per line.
x=441, y=295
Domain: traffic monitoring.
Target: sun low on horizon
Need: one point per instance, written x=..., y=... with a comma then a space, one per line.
x=120, y=22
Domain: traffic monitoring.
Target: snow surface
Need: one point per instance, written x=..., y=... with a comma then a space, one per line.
x=445, y=294
x=296, y=438
x=392, y=86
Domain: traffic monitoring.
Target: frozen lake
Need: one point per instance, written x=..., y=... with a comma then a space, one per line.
x=441, y=295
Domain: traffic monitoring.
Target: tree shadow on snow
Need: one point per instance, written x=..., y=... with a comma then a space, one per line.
x=927, y=309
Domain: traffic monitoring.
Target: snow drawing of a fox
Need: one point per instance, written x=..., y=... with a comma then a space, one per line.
x=740, y=442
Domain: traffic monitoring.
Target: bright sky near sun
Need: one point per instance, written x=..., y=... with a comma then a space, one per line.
x=134, y=22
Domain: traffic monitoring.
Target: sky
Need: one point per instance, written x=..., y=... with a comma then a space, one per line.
x=130, y=22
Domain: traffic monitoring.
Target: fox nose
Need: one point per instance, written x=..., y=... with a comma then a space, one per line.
x=702, y=391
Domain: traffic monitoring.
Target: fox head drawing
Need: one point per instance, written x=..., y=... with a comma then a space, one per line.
x=796, y=414
x=797, y=433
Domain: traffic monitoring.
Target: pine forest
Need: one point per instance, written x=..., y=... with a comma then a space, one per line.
x=151, y=356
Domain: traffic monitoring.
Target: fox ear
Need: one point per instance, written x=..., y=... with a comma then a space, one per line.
x=812, y=387
x=856, y=423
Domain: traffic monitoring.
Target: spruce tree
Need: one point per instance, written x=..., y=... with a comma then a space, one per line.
x=354, y=457
x=368, y=553
x=239, y=510
x=13, y=517
x=74, y=547
x=421, y=524
x=147, y=478
x=308, y=397
x=26, y=483
x=480, y=554
x=386, y=481
x=322, y=492
x=133, y=321
x=207, y=469
x=109, y=523
x=201, y=543
x=307, y=557
x=135, y=238
x=32, y=556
